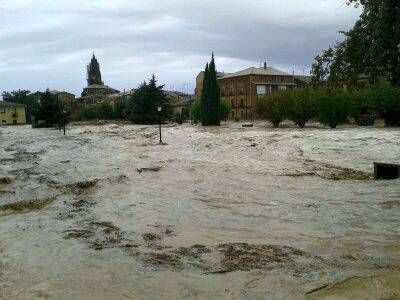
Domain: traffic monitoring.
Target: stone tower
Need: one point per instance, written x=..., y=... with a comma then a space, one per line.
x=93, y=72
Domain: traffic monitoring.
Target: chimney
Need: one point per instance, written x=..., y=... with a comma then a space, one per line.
x=265, y=65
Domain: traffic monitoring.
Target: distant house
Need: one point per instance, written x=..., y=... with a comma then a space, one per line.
x=241, y=89
x=65, y=97
x=12, y=113
x=199, y=83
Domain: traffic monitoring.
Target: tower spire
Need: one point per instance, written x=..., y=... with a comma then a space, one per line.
x=93, y=72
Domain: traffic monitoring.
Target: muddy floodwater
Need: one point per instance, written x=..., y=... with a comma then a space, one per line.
x=105, y=212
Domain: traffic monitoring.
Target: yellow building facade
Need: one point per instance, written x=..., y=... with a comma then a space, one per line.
x=12, y=113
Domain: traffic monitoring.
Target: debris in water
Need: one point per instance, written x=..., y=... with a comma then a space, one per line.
x=5, y=180
x=99, y=235
x=27, y=205
x=390, y=204
x=80, y=186
x=149, y=237
x=331, y=172
x=154, y=169
x=162, y=259
x=312, y=205
x=246, y=257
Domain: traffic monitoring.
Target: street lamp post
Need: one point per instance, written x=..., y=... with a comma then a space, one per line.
x=64, y=116
x=159, y=121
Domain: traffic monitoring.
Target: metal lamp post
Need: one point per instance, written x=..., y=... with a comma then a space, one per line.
x=159, y=121
x=64, y=116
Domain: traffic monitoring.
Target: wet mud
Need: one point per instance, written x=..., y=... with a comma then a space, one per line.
x=214, y=213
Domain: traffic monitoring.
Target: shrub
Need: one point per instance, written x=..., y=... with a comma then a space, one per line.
x=273, y=107
x=119, y=109
x=333, y=107
x=179, y=118
x=386, y=99
x=224, y=110
x=301, y=107
x=104, y=111
x=195, y=110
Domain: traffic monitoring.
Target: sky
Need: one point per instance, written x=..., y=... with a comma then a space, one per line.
x=48, y=43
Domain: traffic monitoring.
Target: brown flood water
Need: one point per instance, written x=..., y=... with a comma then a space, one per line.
x=258, y=213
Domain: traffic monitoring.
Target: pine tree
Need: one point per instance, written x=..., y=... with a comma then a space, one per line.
x=142, y=107
x=49, y=109
x=210, y=98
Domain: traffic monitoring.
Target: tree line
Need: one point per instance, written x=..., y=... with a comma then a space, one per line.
x=331, y=107
x=358, y=77
x=139, y=108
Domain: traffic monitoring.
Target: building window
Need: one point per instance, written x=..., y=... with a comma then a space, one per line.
x=282, y=88
x=2, y=110
x=261, y=90
x=3, y=122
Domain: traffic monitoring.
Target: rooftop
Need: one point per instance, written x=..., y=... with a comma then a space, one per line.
x=219, y=74
x=258, y=71
x=98, y=86
x=56, y=92
x=10, y=104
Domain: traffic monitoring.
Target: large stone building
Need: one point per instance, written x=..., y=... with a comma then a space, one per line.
x=96, y=91
x=12, y=113
x=241, y=89
x=199, y=83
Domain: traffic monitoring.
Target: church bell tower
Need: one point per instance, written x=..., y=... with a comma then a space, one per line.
x=93, y=72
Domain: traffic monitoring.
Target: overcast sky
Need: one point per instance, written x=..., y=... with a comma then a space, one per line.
x=47, y=43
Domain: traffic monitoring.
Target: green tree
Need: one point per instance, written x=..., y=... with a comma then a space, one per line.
x=370, y=48
x=301, y=107
x=104, y=111
x=119, y=109
x=273, y=107
x=385, y=99
x=142, y=107
x=210, y=98
x=224, y=110
x=195, y=110
x=333, y=107
x=49, y=109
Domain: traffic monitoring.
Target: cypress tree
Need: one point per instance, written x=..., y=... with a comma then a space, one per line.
x=204, y=97
x=210, y=98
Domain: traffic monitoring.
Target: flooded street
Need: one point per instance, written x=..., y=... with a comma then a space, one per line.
x=257, y=213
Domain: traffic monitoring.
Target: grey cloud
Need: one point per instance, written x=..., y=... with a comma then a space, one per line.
x=47, y=43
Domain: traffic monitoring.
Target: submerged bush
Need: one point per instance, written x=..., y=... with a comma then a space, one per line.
x=179, y=118
x=301, y=107
x=386, y=99
x=273, y=107
x=333, y=107
x=224, y=110
x=195, y=110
